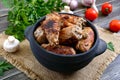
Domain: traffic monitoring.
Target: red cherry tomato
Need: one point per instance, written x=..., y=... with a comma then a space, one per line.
x=91, y=14
x=114, y=25
x=106, y=8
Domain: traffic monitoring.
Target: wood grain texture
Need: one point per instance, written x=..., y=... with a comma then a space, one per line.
x=113, y=70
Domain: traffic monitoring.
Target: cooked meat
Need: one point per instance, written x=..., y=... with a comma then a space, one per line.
x=66, y=24
x=80, y=22
x=59, y=49
x=51, y=26
x=55, y=16
x=61, y=33
x=40, y=35
x=69, y=20
x=70, y=34
x=86, y=43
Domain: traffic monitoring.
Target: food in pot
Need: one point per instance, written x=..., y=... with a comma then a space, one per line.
x=70, y=35
x=64, y=34
x=40, y=35
x=51, y=27
x=59, y=49
x=86, y=43
x=69, y=20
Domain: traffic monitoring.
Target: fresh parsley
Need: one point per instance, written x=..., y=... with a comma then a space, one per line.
x=4, y=66
x=110, y=46
x=26, y=12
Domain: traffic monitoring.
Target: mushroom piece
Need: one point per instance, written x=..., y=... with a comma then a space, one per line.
x=11, y=44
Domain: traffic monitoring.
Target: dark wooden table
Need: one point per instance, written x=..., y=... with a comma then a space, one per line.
x=113, y=70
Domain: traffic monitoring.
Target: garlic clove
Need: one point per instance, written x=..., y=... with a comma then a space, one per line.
x=73, y=4
x=67, y=1
x=94, y=6
x=87, y=3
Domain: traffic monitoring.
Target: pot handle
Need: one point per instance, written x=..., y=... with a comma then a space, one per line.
x=102, y=46
x=28, y=32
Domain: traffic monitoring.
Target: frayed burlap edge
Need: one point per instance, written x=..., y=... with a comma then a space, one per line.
x=21, y=67
x=34, y=76
x=31, y=74
x=104, y=66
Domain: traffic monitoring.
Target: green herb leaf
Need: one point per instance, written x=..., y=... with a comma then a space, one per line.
x=4, y=66
x=1, y=72
x=110, y=46
x=24, y=13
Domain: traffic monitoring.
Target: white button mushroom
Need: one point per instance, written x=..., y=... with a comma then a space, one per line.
x=11, y=44
x=67, y=10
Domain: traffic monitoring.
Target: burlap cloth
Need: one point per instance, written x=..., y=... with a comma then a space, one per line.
x=26, y=62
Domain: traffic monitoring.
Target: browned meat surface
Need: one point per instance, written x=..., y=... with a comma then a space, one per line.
x=59, y=49
x=69, y=20
x=70, y=35
x=86, y=43
x=40, y=35
x=51, y=26
x=62, y=33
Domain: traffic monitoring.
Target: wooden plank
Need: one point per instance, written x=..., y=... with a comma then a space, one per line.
x=14, y=74
x=104, y=21
x=3, y=26
x=113, y=71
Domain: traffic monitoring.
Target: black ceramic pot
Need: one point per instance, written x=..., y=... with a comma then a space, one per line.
x=64, y=63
